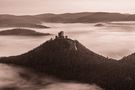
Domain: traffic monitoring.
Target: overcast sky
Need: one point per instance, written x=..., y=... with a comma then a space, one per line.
x=21, y=7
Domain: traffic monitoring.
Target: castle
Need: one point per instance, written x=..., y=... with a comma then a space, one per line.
x=61, y=35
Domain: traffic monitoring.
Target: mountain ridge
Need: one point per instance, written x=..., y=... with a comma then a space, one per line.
x=7, y=20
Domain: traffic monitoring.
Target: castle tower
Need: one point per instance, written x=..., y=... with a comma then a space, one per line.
x=61, y=34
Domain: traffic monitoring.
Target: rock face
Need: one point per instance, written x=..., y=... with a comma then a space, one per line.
x=22, y=32
x=70, y=60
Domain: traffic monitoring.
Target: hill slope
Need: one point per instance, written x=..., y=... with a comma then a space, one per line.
x=128, y=59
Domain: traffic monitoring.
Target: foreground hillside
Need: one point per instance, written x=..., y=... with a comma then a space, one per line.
x=69, y=60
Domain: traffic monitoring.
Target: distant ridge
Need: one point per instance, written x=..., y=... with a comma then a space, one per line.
x=86, y=17
x=22, y=32
x=20, y=21
x=68, y=59
x=35, y=21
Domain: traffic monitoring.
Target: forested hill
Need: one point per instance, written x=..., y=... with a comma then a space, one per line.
x=68, y=59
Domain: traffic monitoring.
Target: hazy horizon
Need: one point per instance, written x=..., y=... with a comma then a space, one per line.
x=33, y=7
x=61, y=13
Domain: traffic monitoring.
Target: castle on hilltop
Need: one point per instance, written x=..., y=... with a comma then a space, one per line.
x=61, y=35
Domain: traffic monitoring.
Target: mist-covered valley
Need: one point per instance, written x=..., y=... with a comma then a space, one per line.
x=110, y=40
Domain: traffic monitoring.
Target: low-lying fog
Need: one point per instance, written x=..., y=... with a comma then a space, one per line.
x=115, y=39
x=17, y=78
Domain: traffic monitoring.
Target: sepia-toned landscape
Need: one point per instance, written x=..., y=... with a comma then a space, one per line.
x=67, y=45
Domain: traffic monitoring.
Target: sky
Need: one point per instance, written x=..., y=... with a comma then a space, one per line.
x=32, y=7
